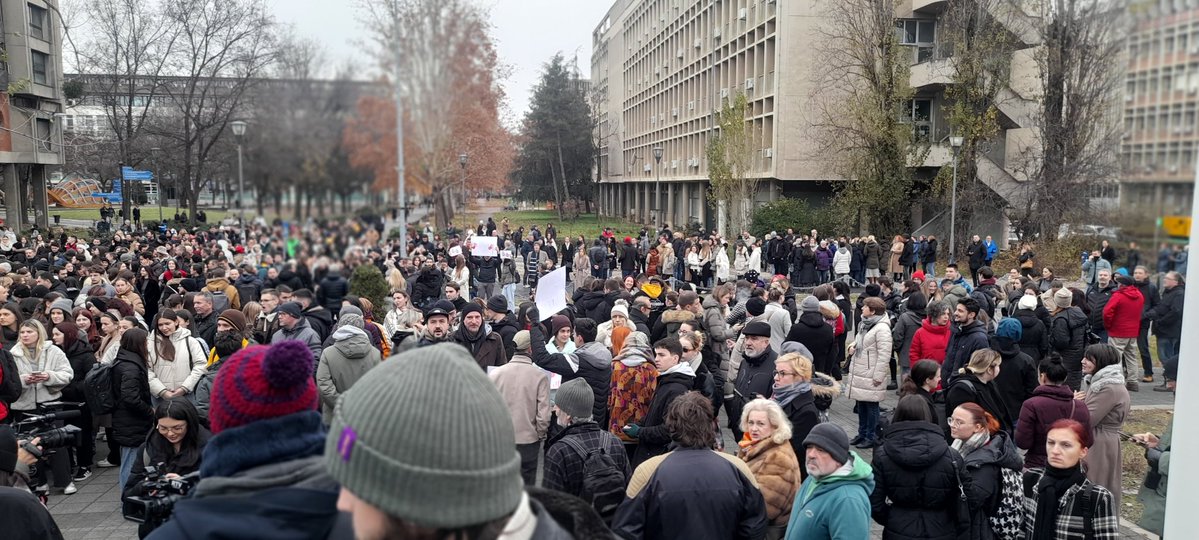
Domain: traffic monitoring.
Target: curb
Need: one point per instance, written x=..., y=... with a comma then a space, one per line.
x=1153, y=407
x=1124, y=523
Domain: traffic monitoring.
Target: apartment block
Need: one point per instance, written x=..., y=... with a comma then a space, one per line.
x=1161, y=98
x=662, y=68
x=30, y=137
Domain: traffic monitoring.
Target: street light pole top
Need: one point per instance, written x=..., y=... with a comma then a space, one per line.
x=956, y=141
x=462, y=159
x=239, y=127
x=658, y=154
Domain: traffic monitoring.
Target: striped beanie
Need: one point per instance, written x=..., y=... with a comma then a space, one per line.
x=260, y=382
x=431, y=421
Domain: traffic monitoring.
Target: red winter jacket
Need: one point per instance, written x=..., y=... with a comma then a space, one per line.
x=930, y=342
x=1122, y=314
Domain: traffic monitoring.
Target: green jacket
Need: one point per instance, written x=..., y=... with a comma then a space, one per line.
x=1153, y=517
x=835, y=507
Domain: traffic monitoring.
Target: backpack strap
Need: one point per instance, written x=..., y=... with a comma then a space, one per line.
x=577, y=446
x=1086, y=494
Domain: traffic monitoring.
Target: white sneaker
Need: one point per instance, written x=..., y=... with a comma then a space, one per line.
x=104, y=464
x=70, y=489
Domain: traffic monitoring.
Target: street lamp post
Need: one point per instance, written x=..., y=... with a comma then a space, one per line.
x=956, y=143
x=158, y=177
x=239, y=131
x=462, y=159
x=658, y=186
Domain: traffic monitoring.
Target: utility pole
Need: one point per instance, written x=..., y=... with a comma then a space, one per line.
x=403, y=198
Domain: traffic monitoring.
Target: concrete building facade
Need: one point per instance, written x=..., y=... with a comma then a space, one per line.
x=1161, y=103
x=30, y=135
x=662, y=68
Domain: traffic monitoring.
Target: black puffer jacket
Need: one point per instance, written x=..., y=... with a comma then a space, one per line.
x=1017, y=376
x=1068, y=336
x=81, y=358
x=507, y=330
x=984, y=467
x=963, y=341
x=134, y=416
x=916, y=484
x=1034, y=339
x=816, y=335
x=332, y=290
x=654, y=438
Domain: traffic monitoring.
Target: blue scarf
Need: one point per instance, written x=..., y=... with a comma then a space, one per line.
x=286, y=438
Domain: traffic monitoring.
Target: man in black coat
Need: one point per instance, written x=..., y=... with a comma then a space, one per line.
x=966, y=336
x=639, y=314
x=977, y=254
x=628, y=258
x=502, y=322
x=675, y=378
x=1167, y=325
x=1017, y=375
x=590, y=361
x=333, y=289
x=815, y=334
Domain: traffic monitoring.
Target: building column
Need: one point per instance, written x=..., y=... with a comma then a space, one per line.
x=41, y=210
x=669, y=216
x=701, y=213
x=605, y=207
x=13, y=200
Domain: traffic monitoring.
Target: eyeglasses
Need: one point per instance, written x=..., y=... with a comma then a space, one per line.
x=686, y=349
x=954, y=422
x=785, y=374
x=176, y=430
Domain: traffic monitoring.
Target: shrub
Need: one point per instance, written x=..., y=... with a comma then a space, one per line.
x=368, y=282
x=790, y=213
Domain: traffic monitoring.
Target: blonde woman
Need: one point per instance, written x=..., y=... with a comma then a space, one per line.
x=44, y=370
x=395, y=278
x=766, y=448
x=460, y=274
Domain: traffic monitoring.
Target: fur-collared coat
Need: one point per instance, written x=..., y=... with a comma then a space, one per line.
x=776, y=468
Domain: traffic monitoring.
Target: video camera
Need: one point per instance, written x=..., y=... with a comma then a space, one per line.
x=42, y=427
x=160, y=495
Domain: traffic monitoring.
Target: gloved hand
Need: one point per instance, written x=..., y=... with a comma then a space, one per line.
x=632, y=430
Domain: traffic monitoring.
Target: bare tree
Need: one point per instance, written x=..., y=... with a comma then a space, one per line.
x=121, y=61
x=1079, y=127
x=223, y=46
x=428, y=40
x=730, y=155
x=864, y=83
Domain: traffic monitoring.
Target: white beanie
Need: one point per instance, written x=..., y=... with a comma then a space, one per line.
x=621, y=308
x=1028, y=302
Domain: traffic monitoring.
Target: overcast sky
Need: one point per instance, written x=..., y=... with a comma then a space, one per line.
x=527, y=32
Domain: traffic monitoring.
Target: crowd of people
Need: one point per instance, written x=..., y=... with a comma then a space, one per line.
x=252, y=363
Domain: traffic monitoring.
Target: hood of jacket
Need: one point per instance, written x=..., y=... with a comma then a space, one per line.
x=1060, y=392
x=999, y=451
x=975, y=327
x=915, y=445
x=677, y=316
x=248, y=279
x=217, y=284
x=860, y=473
x=1027, y=317
x=931, y=328
x=825, y=386
x=508, y=320
x=1007, y=348
x=958, y=291
x=352, y=342
x=1132, y=294
x=811, y=319
x=317, y=312
x=1074, y=316
x=594, y=354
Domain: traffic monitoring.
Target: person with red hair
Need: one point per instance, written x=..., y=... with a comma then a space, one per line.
x=1060, y=502
x=988, y=452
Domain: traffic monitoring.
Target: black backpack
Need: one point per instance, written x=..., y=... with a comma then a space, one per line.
x=603, y=481
x=10, y=386
x=97, y=389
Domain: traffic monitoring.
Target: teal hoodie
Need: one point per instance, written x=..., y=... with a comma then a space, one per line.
x=836, y=507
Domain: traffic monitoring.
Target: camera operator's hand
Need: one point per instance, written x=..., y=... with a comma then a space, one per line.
x=171, y=476
x=24, y=456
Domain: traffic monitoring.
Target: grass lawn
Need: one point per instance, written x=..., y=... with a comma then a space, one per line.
x=1134, y=466
x=148, y=213
x=588, y=225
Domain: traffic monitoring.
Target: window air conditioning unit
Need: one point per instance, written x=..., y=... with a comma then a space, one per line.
x=716, y=33
x=1173, y=169
x=674, y=112
x=653, y=119
x=1126, y=136
x=674, y=164
x=769, y=152
x=648, y=167
x=742, y=14
x=679, y=54
x=1128, y=98
x=691, y=105
x=699, y=43
x=749, y=84
x=724, y=92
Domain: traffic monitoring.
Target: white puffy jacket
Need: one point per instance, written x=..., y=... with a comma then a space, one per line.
x=189, y=365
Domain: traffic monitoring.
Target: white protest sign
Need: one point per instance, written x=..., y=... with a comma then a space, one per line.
x=551, y=293
x=455, y=251
x=484, y=246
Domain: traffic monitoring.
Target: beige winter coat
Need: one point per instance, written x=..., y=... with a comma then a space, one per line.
x=869, y=368
x=526, y=390
x=186, y=369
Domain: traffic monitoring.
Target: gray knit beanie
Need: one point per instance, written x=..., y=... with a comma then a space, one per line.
x=350, y=319
x=575, y=398
x=432, y=423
